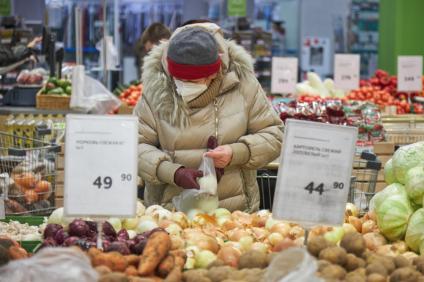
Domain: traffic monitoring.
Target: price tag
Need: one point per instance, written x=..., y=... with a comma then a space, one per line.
x=314, y=176
x=284, y=75
x=2, y=209
x=100, y=166
x=410, y=70
x=346, y=71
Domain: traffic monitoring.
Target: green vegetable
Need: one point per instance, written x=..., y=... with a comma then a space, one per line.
x=335, y=236
x=68, y=90
x=415, y=232
x=407, y=157
x=414, y=184
x=52, y=80
x=389, y=175
x=393, y=211
x=63, y=83
x=56, y=91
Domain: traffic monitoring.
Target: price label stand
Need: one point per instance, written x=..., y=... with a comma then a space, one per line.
x=314, y=177
x=409, y=69
x=100, y=167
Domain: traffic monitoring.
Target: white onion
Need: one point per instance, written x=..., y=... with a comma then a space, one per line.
x=204, y=258
x=152, y=209
x=246, y=243
x=174, y=229
x=146, y=225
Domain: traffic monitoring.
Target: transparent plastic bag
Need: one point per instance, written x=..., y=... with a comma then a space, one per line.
x=292, y=265
x=51, y=264
x=90, y=95
x=205, y=199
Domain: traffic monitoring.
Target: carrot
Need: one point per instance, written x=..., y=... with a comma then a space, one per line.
x=166, y=265
x=180, y=258
x=131, y=271
x=157, y=247
x=17, y=253
x=175, y=275
x=132, y=259
x=114, y=260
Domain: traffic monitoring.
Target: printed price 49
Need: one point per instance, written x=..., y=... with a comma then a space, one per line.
x=107, y=182
x=320, y=187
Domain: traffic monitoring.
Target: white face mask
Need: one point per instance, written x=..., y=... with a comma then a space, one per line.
x=189, y=90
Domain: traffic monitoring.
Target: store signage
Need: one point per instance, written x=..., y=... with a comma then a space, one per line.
x=284, y=75
x=2, y=209
x=236, y=8
x=410, y=70
x=100, y=166
x=315, y=172
x=346, y=71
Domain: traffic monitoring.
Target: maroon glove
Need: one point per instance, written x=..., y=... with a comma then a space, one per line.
x=186, y=178
x=212, y=144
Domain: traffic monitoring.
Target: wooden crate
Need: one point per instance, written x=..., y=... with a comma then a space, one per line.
x=52, y=102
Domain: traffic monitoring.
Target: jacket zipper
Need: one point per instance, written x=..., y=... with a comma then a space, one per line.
x=215, y=104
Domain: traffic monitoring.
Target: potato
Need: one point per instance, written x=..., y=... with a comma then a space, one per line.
x=353, y=243
x=216, y=263
x=102, y=269
x=196, y=275
x=220, y=273
x=400, y=261
x=376, y=267
x=353, y=262
x=375, y=277
x=355, y=276
x=322, y=264
x=253, y=259
x=333, y=271
x=387, y=262
x=420, y=267
x=317, y=244
x=334, y=255
x=405, y=274
x=247, y=275
x=418, y=260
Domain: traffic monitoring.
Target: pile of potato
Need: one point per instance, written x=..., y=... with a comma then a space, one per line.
x=352, y=261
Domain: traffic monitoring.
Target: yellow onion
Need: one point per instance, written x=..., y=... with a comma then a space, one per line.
x=351, y=210
x=369, y=226
x=356, y=222
x=230, y=225
x=349, y=228
x=246, y=243
x=180, y=218
x=242, y=217
x=202, y=241
x=296, y=232
x=282, y=228
x=260, y=234
x=236, y=234
x=261, y=247
x=177, y=242
x=275, y=238
x=229, y=255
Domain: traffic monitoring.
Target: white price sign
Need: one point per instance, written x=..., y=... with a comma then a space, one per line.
x=346, y=71
x=284, y=75
x=2, y=209
x=410, y=70
x=314, y=177
x=100, y=166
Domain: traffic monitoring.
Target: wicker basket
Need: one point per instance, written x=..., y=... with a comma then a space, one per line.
x=52, y=102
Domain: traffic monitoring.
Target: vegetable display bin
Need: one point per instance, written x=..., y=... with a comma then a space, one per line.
x=29, y=246
x=22, y=96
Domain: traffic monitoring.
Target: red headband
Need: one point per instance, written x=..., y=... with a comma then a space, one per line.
x=189, y=72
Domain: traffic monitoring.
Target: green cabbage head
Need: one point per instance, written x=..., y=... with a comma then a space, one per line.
x=407, y=157
x=414, y=184
x=415, y=232
x=389, y=175
x=393, y=211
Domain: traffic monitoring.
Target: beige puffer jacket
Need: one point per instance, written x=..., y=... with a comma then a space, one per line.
x=172, y=135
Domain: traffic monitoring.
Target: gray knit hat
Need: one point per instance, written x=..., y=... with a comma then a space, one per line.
x=193, y=53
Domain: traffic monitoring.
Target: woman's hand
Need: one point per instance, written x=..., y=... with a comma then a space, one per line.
x=34, y=42
x=221, y=156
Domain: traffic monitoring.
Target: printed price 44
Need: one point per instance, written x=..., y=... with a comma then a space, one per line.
x=320, y=187
x=107, y=181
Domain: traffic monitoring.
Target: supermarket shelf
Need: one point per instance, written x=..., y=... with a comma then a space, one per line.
x=7, y=110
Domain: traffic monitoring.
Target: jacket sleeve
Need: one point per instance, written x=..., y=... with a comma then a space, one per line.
x=262, y=143
x=9, y=56
x=154, y=165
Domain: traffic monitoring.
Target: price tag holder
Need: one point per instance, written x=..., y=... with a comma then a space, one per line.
x=346, y=71
x=315, y=172
x=100, y=166
x=284, y=75
x=2, y=209
x=410, y=69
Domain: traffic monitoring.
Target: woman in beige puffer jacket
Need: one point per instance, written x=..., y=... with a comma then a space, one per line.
x=173, y=133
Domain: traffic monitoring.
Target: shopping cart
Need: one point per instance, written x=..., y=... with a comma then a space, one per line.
x=362, y=184
x=365, y=172
x=27, y=174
